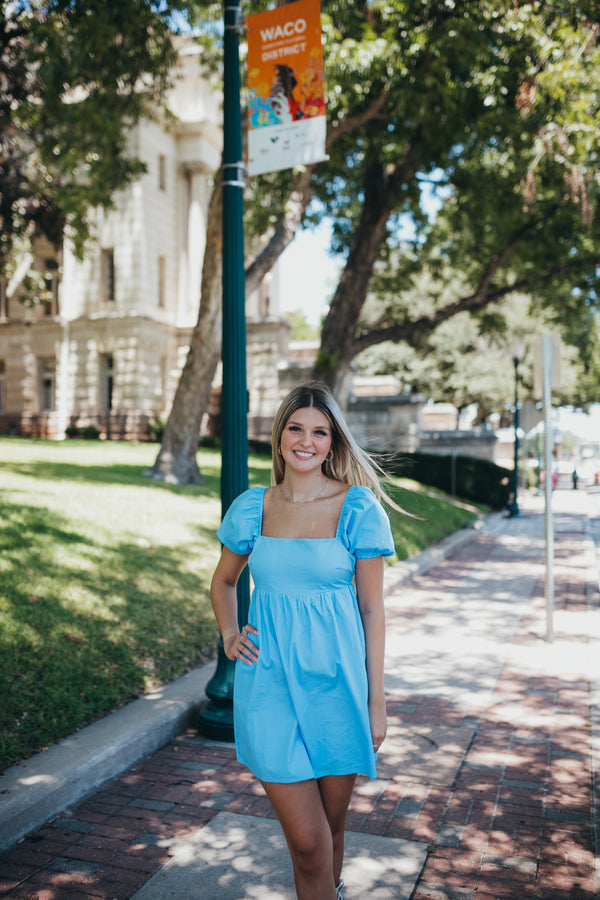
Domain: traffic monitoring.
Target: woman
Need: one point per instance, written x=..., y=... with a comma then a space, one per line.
x=309, y=703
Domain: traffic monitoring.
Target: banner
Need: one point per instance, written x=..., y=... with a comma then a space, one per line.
x=286, y=88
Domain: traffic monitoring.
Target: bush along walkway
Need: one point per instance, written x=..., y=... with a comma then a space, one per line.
x=487, y=781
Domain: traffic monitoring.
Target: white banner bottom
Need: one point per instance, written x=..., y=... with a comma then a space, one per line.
x=275, y=147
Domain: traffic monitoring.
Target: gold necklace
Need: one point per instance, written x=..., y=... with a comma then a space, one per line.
x=287, y=497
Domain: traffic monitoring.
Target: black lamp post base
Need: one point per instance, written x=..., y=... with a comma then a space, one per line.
x=215, y=721
x=215, y=717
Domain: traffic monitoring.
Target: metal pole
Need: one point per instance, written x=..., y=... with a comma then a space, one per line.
x=525, y=422
x=547, y=361
x=514, y=507
x=216, y=718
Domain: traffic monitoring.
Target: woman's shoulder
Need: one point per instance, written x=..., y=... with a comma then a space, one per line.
x=249, y=500
x=255, y=492
x=359, y=496
x=365, y=524
x=359, y=504
x=242, y=521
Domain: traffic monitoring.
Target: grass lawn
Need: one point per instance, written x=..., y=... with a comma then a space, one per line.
x=104, y=578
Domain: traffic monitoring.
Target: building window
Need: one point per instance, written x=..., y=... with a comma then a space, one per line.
x=47, y=369
x=106, y=382
x=162, y=172
x=50, y=295
x=162, y=267
x=2, y=386
x=108, y=274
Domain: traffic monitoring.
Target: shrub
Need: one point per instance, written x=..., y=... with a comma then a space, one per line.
x=90, y=433
x=209, y=442
x=467, y=477
x=260, y=448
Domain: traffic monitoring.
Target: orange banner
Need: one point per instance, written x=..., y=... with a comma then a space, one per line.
x=286, y=87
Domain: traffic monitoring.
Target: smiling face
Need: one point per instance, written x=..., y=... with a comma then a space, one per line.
x=306, y=440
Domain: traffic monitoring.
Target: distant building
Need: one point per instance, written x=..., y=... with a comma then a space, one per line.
x=440, y=417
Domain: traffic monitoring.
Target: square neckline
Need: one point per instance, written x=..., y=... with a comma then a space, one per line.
x=270, y=537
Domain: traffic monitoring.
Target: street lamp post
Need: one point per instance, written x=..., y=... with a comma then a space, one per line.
x=216, y=717
x=513, y=509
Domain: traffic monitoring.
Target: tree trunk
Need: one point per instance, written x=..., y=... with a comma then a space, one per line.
x=338, y=338
x=176, y=461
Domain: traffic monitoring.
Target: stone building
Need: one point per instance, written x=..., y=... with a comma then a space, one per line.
x=105, y=342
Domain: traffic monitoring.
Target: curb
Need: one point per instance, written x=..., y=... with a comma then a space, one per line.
x=43, y=786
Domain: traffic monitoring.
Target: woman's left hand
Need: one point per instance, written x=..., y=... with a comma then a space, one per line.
x=240, y=646
x=378, y=722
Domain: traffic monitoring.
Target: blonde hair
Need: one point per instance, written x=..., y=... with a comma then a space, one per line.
x=350, y=464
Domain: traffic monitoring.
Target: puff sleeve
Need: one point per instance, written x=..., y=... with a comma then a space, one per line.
x=366, y=527
x=242, y=522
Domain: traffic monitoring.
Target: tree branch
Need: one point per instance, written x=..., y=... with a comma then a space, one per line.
x=285, y=229
x=338, y=129
x=472, y=303
x=475, y=301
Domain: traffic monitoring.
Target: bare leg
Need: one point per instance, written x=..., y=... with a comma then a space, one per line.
x=336, y=793
x=313, y=817
x=299, y=808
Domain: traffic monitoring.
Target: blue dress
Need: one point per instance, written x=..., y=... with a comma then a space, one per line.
x=301, y=712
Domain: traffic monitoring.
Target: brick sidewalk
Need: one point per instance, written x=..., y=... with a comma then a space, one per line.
x=501, y=795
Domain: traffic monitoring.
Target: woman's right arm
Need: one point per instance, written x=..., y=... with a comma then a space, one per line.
x=224, y=601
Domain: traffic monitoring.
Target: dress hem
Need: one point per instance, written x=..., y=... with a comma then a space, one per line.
x=290, y=780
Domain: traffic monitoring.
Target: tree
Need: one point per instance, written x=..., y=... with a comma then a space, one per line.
x=302, y=330
x=500, y=113
x=75, y=76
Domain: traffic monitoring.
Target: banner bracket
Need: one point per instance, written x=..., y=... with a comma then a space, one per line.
x=234, y=20
x=235, y=178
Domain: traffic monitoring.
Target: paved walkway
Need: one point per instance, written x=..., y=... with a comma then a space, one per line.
x=488, y=782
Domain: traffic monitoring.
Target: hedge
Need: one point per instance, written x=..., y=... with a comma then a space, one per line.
x=467, y=477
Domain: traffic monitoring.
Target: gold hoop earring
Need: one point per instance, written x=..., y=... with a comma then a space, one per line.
x=328, y=458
